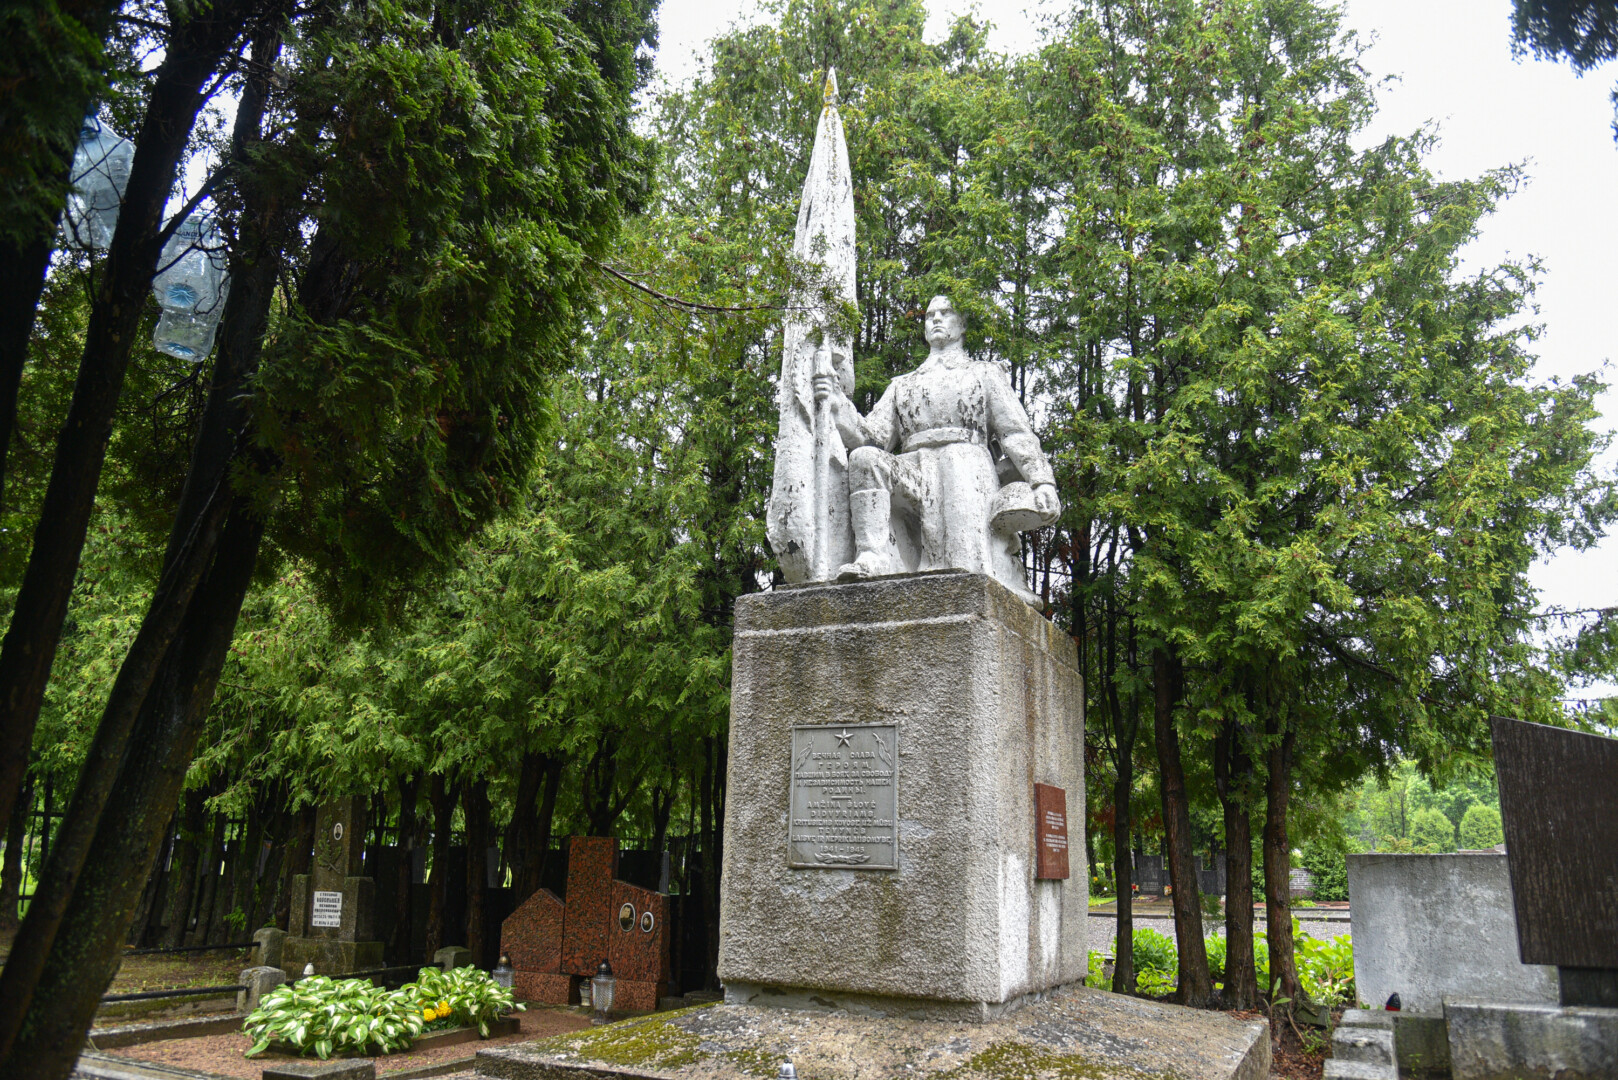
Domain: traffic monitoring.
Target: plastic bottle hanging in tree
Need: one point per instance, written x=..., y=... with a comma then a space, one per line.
x=98, y=178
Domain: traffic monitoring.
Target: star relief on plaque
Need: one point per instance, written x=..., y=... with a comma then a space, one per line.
x=843, y=797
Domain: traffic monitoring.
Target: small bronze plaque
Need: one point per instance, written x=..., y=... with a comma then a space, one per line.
x=843, y=803
x=1559, y=809
x=1050, y=833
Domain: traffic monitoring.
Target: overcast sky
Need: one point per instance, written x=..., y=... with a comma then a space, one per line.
x=1448, y=62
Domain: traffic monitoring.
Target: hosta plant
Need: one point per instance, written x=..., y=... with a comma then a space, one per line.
x=322, y=1016
x=466, y=996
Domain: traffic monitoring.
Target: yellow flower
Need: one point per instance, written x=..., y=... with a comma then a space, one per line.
x=443, y=1006
x=427, y=1014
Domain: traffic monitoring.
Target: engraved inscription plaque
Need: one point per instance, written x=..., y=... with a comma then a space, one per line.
x=843, y=805
x=1050, y=832
x=328, y=909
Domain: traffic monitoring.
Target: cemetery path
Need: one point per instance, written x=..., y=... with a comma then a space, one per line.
x=221, y=1055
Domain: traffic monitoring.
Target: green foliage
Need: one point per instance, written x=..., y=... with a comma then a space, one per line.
x=1324, y=858
x=1096, y=977
x=321, y=1016
x=1326, y=969
x=1480, y=828
x=1432, y=832
x=465, y=996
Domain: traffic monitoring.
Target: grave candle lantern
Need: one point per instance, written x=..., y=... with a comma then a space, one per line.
x=602, y=985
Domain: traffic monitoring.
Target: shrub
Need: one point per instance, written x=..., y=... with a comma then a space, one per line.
x=1432, y=832
x=322, y=1016
x=325, y=1016
x=1326, y=969
x=1480, y=827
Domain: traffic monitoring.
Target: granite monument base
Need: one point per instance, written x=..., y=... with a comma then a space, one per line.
x=330, y=957
x=884, y=851
x=1490, y=1041
x=1076, y=1032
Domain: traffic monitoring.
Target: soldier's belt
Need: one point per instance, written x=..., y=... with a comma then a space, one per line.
x=942, y=436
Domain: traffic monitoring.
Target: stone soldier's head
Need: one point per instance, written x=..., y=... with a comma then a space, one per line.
x=943, y=325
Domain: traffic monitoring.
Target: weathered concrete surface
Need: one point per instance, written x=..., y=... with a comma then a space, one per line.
x=1076, y=1032
x=987, y=700
x=1428, y=927
x=1419, y=1040
x=1490, y=1041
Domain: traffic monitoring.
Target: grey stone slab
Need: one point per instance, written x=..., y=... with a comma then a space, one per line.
x=341, y=1069
x=1430, y=927
x=259, y=981
x=1073, y=1032
x=1369, y=1044
x=1490, y=1041
x=986, y=700
x=1358, y=1070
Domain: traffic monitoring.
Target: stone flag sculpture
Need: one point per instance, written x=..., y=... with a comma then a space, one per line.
x=808, y=513
x=944, y=473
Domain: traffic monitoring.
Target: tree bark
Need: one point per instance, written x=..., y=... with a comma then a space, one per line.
x=713, y=816
x=1195, y=985
x=1232, y=771
x=300, y=854
x=1278, y=870
x=11, y=872
x=443, y=805
x=183, y=870
x=85, y=955
x=475, y=808
x=195, y=50
x=213, y=852
x=399, y=941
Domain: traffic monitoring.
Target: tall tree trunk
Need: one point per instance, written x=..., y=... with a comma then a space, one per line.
x=140, y=926
x=213, y=853
x=1232, y=772
x=1195, y=986
x=1123, y=871
x=547, y=816
x=399, y=941
x=11, y=872
x=183, y=870
x=84, y=954
x=475, y=808
x=1278, y=867
x=713, y=817
x=443, y=806
x=194, y=51
x=519, y=853
x=299, y=857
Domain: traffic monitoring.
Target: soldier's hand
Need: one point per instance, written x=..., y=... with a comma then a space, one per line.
x=825, y=386
x=1046, y=504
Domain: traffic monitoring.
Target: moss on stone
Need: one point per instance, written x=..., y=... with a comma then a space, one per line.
x=756, y=1062
x=650, y=1041
x=1019, y=1061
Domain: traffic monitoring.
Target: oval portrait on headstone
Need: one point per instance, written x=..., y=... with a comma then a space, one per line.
x=337, y=831
x=647, y=922
x=626, y=917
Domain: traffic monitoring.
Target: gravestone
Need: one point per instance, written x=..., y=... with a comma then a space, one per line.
x=553, y=944
x=332, y=905
x=1559, y=811
x=1149, y=874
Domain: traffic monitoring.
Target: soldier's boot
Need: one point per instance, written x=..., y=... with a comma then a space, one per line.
x=869, y=511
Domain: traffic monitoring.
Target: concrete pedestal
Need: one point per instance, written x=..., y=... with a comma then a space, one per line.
x=1493, y=1041
x=902, y=722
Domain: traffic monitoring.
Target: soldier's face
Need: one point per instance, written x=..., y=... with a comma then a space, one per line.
x=944, y=324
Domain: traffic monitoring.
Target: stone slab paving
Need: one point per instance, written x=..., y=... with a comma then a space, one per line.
x=1074, y=1032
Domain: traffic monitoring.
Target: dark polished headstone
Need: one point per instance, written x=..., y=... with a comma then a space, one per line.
x=1559, y=811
